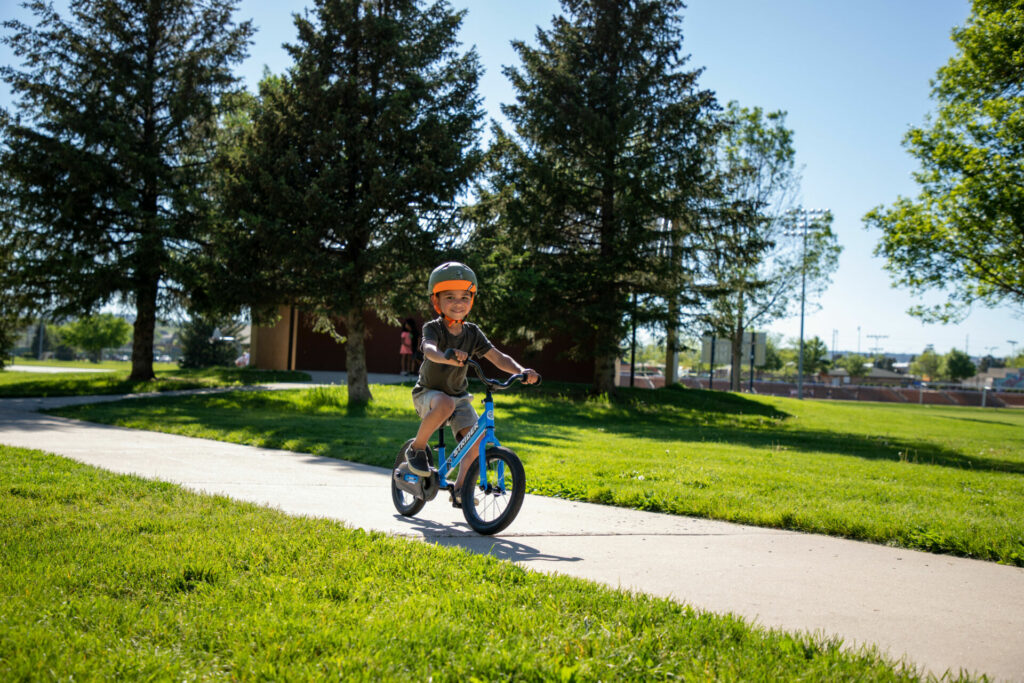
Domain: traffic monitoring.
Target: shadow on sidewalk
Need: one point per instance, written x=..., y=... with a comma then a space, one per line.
x=461, y=536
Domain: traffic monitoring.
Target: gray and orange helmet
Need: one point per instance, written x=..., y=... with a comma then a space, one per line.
x=449, y=276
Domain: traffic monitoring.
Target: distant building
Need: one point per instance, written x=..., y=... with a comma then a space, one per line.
x=291, y=344
x=878, y=376
x=997, y=379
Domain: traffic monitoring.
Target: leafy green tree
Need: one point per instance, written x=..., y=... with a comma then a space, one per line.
x=927, y=365
x=107, y=160
x=94, y=333
x=13, y=310
x=341, y=183
x=8, y=335
x=10, y=327
x=1015, y=361
x=44, y=339
x=964, y=233
x=773, y=360
x=815, y=355
x=13, y=320
x=607, y=151
x=208, y=341
x=856, y=365
x=757, y=254
x=957, y=365
x=883, y=362
x=990, y=361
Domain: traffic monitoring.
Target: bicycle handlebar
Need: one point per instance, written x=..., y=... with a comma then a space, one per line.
x=492, y=383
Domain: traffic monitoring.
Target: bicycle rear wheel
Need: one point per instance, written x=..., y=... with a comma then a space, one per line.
x=406, y=503
x=491, y=508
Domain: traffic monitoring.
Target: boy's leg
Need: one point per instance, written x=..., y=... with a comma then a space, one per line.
x=464, y=421
x=441, y=407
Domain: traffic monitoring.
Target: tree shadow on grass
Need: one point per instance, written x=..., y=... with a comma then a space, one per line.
x=987, y=423
x=730, y=419
x=355, y=437
x=670, y=415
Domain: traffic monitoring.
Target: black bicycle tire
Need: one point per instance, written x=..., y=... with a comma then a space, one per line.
x=397, y=494
x=471, y=489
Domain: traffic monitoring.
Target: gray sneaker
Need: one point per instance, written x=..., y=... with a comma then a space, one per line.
x=418, y=462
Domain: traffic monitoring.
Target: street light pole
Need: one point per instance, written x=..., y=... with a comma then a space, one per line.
x=805, y=217
x=876, y=348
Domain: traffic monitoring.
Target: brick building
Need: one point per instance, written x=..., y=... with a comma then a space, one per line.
x=291, y=344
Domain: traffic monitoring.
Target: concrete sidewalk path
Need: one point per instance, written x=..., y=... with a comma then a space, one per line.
x=939, y=612
x=51, y=369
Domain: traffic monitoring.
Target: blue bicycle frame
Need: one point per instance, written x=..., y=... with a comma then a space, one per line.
x=484, y=428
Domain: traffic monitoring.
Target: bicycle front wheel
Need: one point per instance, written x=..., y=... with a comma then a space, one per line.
x=492, y=507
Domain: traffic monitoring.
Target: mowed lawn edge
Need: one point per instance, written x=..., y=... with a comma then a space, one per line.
x=17, y=384
x=934, y=479
x=111, y=576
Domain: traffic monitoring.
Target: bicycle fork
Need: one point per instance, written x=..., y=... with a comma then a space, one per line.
x=484, y=432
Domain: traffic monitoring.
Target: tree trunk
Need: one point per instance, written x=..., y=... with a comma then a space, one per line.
x=672, y=343
x=142, y=336
x=672, y=328
x=355, y=358
x=736, y=373
x=606, y=349
x=604, y=373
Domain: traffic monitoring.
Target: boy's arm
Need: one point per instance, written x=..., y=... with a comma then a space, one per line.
x=505, y=362
x=430, y=352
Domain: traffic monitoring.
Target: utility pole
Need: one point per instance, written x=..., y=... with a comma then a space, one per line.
x=806, y=218
x=876, y=348
x=989, y=350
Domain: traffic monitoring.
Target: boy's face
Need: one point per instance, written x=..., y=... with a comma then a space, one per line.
x=454, y=303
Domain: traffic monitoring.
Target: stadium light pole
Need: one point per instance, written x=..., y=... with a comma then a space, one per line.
x=805, y=218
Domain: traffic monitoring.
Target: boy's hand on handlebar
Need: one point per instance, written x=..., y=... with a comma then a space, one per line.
x=532, y=376
x=456, y=357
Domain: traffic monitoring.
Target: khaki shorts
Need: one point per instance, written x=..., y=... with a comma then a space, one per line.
x=464, y=417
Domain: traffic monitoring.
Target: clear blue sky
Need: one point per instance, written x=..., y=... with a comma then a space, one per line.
x=853, y=76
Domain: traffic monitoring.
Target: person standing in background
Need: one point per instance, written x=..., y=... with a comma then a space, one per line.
x=405, y=351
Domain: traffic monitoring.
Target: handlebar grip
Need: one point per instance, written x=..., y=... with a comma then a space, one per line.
x=493, y=383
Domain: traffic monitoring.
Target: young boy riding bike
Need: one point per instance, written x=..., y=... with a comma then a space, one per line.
x=440, y=394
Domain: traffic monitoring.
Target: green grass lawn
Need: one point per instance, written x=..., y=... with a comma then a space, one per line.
x=111, y=577
x=86, y=364
x=948, y=480
x=168, y=378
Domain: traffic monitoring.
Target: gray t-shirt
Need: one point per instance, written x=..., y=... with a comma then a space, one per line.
x=450, y=379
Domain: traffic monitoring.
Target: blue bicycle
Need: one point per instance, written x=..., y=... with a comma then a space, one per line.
x=492, y=492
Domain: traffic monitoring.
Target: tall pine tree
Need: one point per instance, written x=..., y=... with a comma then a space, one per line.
x=607, y=152
x=341, y=181
x=108, y=157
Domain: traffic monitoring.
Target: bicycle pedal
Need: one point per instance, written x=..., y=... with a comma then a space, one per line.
x=456, y=503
